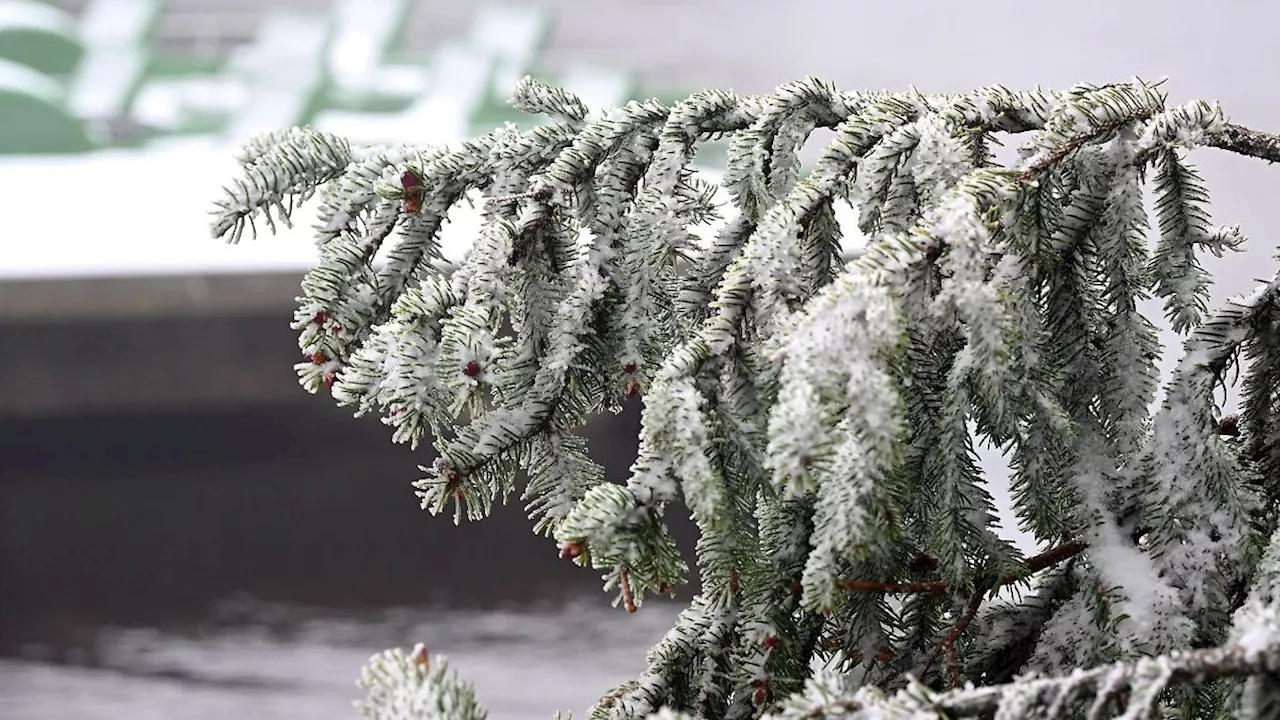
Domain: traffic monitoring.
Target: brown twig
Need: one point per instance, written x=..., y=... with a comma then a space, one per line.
x=1035, y=564
x=628, y=596
x=932, y=586
x=948, y=643
x=1243, y=141
x=1048, y=559
x=1234, y=138
x=1076, y=142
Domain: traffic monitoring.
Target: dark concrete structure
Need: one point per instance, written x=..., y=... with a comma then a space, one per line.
x=158, y=457
x=122, y=345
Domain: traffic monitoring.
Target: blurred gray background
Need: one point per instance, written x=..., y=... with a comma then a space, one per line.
x=184, y=533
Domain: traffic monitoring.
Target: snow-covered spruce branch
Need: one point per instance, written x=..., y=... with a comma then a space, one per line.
x=815, y=398
x=407, y=686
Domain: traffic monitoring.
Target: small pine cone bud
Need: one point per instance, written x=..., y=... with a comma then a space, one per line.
x=734, y=585
x=444, y=469
x=409, y=180
x=320, y=317
x=663, y=587
x=420, y=657
x=770, y=642
x=411, y=205
x=1229, y=425
x=471, y=369
x=884, y=655
x=571, y=549
x=330, y=377
x=629, y=368
x=797, y=587
x=318, y=357
x=632, y=388
x=923, y=563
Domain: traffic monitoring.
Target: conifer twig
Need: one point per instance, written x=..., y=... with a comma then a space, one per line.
x=948, y=643
x=1244, y=141
x=1234, y=138
x=1070, y=146
x=628, y=596
x=1183, y=667
x=1035, y=564
x=932, y=586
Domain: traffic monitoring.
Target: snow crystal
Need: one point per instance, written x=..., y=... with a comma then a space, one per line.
x=1260, y=637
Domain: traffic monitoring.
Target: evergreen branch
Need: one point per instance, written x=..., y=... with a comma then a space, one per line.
x=1034, y=564
x=402, y=685
x=1060, y=152
x=1135, y=685
x=1110, y=682
x=1244, y=141
x=777, y=372
x=280, y=170
x=948, y=643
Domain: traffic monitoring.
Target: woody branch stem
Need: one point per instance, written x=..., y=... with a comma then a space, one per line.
x=1035, y=564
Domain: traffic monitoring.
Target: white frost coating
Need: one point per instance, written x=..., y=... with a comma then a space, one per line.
x=1069, y=637
x=828, y=694
x=1184, y=126
x=974, y=300
x=704, y=489
x=1197, y=507
x=1085, y=109
x=413, y=686
x=1154, y=610
x=939, y=161
x=833, y=365
x=1130, y=348
x=1262, y=636
x=832, y=347
x=502, y=423
x=772, y=257
x=781, y=381
x=1256, y=625
x=798, y=430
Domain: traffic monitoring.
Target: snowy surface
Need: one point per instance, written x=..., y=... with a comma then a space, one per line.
x=523, y=664
x=30, y=15
x=23, y=80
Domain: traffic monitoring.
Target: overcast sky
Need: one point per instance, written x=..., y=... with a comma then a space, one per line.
x=1228, y=51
